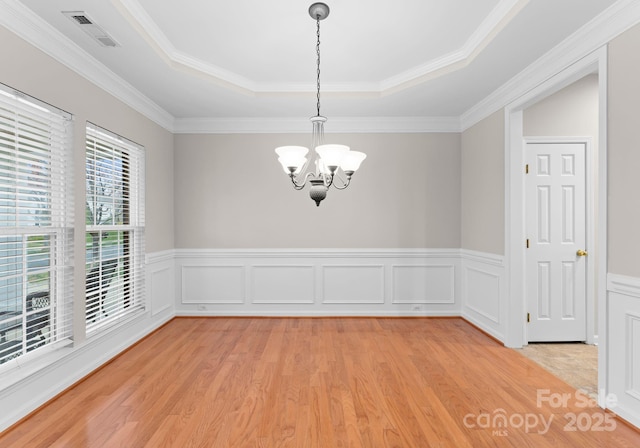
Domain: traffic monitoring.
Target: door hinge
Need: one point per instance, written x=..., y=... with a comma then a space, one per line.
x=527, y=243
x=526, y=169
x=528, y=317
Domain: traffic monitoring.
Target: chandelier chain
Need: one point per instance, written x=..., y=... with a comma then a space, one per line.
x=318, y=61
x=322, y=167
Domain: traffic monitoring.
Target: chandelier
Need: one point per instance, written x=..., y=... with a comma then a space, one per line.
x=327, y=163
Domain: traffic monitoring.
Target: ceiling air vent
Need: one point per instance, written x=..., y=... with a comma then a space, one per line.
x=82, y=19
x=87, y=25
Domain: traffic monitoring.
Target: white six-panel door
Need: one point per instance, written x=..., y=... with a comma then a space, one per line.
x=556, y=233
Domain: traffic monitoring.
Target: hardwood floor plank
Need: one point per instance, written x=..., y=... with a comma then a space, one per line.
x=317, y=382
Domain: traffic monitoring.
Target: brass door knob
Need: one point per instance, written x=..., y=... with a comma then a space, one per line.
x=581, y=253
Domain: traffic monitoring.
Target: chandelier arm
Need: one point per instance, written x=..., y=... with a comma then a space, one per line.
x=304, y=169
x=345, y=183
x=327, y=179
x=297, y=185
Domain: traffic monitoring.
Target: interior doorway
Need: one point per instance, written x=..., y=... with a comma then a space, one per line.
x=593, y=65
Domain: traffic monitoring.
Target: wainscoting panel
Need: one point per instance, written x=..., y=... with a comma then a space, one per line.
x=212, y=284
x=278, y=284
x=424, y=284
x=483, y=292
x=160, y=281
x=623, y=345
x=633, y=355
x=322, y=282
x=487, y=302
x=348, y=284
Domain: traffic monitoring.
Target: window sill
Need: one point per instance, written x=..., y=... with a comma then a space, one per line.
x=17, y=370
x=34, y=364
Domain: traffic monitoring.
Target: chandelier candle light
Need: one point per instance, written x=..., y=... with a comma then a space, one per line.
x=322, y=168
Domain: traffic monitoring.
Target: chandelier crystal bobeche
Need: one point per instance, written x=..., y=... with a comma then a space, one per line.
x=326, y=162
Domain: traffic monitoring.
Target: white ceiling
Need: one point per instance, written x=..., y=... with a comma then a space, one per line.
x=254, y=59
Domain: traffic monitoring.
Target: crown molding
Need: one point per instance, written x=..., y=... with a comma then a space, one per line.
x=618, y=18
x=140, y=20
x=137, y=16
x=612, y=22
x=495, y=22
x=372, y=125
x=20, y=20
x=23, y=22
x=497, y=19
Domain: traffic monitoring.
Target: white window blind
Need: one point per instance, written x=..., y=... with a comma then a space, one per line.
x=36, y=226
x=114, y=228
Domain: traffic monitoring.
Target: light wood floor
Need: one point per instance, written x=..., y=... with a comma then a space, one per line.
x=319, y=382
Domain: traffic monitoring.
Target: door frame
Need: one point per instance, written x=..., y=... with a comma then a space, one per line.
x=515, y=325
x=590, y=228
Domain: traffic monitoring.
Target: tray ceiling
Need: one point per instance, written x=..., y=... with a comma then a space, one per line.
x=201, y=59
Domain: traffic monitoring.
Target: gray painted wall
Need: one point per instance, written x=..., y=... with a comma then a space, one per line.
x=573, y=111
x=40, y=76
x=624, y=153
x=482, y=180
x=230, y=192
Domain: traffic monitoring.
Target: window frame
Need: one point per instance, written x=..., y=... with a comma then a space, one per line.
x=37, y=160
x=126, y=282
